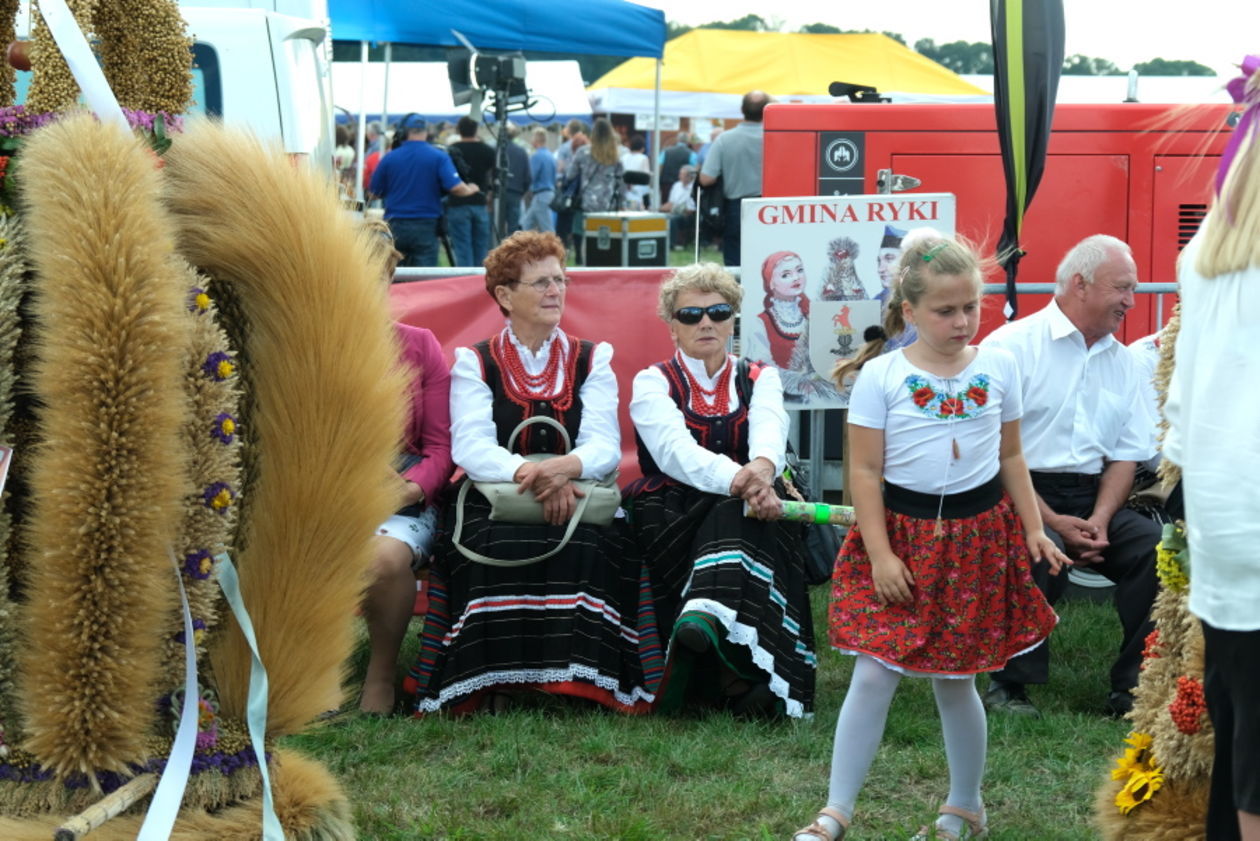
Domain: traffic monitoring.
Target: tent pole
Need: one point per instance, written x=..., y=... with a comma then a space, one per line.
x=362, y=140
x=389, y=57
x=656, y=141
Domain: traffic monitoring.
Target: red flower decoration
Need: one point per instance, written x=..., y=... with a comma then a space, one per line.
x=978, y=395
x=951, y=406
x=923, y=396
x=1152, y=647
x=1189, y=707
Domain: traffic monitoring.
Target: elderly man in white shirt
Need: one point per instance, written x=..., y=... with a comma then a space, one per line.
x=1085, y=427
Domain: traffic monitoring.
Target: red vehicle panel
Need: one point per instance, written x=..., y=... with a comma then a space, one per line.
x=1139, y=172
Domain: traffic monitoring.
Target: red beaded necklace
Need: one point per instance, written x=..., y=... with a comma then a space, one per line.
x=720, y=393
x=538, y=385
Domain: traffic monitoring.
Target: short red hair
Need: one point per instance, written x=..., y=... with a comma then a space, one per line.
x=504, y=264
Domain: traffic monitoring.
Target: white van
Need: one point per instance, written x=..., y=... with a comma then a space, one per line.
x=265, y=64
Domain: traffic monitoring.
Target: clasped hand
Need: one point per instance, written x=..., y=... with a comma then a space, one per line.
x=551, y=487
x=1083, y=540
x=754, y=483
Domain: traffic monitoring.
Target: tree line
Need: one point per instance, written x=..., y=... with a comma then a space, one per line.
x=959, y=56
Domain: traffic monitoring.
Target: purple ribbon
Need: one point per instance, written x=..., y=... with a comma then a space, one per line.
x=1237, y=88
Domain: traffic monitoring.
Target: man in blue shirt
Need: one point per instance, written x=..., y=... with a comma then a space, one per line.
x=411, y=179
x=542, y=169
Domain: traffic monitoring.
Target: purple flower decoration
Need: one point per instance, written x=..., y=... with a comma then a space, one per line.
x=219, y=366
x=198, y=300
x=224, y=428
x=199, y=630
x=198, y=564
x=219, y=497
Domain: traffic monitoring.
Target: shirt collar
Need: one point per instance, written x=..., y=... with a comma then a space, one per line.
x=1061, y=327
x=546, y=345
x=697, y=369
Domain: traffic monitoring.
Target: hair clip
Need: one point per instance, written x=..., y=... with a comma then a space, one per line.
x=934, y=250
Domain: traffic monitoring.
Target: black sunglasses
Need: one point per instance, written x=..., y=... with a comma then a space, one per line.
x=715, y=312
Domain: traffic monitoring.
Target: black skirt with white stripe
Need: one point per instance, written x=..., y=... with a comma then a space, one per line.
x=580, y=623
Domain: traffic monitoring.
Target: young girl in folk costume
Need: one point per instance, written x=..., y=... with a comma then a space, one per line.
x=780, y=334
x=935, y=579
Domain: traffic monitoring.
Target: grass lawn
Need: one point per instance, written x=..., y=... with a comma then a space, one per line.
x=571, y=774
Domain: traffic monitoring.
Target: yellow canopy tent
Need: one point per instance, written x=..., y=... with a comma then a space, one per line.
x=706, y=71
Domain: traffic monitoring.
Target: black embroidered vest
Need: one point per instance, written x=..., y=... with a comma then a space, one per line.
x=723, y=434
x=511, y=407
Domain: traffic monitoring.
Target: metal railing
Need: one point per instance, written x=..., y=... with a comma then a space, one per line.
x=816, y=457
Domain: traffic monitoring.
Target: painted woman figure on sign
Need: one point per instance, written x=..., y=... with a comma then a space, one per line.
x=779, y=336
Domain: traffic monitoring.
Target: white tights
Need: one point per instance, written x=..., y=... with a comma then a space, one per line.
x=860, y=728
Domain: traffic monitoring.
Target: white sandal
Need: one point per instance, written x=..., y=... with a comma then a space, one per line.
x=816, y=829
x=975, y=827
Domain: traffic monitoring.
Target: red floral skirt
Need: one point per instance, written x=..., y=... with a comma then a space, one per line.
x=974, y=604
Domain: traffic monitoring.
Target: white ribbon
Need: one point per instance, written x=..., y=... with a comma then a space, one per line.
x=82, y=62
x=164, y=808
x=256, y=706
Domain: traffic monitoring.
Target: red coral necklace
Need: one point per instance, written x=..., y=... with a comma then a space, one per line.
x=541, y=385
x=720, y=394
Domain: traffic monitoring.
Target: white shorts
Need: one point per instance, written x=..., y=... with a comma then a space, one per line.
x=417, y=532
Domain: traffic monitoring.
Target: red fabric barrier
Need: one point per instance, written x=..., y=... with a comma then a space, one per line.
x=616, y=306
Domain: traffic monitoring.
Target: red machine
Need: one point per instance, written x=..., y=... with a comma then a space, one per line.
x=1139, y=172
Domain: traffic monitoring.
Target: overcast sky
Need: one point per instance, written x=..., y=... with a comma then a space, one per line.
x=1217, y=33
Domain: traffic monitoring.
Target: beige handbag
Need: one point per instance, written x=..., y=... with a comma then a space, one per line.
x=598, y=506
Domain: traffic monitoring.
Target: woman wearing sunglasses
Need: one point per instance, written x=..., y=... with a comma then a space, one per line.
x=566, y=625
x=729, y=588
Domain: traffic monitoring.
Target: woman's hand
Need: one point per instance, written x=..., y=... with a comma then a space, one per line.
x=560, y=504
x=544, y=478
x=1042, y=548
x=412, y=494
x=754, y=483
x=892, y=580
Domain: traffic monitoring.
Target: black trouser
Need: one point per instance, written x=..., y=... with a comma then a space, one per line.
x=1128, y=562
x=1231, y=684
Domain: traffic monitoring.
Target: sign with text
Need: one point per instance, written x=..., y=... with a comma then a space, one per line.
x=817, y=272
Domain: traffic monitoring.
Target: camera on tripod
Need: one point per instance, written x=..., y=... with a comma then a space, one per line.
x=473, y=75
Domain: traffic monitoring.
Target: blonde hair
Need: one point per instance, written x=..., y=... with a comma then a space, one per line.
x=924, y=254
x=1231, y=230
x=604, y=143
x=380, y=245
x=698, y=277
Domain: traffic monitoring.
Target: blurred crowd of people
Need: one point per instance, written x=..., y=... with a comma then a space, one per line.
x=444, y=196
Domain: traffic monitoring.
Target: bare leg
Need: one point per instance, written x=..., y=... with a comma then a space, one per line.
x=387, y=607
x=1249, y=824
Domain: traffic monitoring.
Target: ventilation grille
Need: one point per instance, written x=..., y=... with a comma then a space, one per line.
x=1189, y=218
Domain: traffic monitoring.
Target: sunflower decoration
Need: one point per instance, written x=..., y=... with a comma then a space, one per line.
x=1137, y=767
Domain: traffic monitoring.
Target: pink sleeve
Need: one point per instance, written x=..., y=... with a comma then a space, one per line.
x=430, y=428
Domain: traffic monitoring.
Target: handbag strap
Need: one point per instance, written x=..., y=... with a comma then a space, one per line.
x=520, y=427
x=499, y=562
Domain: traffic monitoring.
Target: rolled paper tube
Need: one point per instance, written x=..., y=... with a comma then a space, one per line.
x=813, y=512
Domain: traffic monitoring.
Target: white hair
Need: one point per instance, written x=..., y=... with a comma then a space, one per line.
x=1086, y=257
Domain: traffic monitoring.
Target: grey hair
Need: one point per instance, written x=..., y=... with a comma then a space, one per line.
x=1086, y=257
x=698, y=277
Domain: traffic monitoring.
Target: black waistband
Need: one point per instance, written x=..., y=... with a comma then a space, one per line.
x=1043, y=479
x=951, y=506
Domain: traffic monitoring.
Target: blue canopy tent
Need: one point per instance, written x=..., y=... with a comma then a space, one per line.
x=595, y=27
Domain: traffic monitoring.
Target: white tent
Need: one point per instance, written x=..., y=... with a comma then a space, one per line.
x=423, y=87
x=1153, y=89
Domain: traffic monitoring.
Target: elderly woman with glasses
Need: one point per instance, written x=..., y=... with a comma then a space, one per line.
x=729, y=586
x=568, y=624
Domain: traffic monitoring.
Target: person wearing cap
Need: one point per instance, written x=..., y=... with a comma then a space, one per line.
x=411, y=180
x=886, y=261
